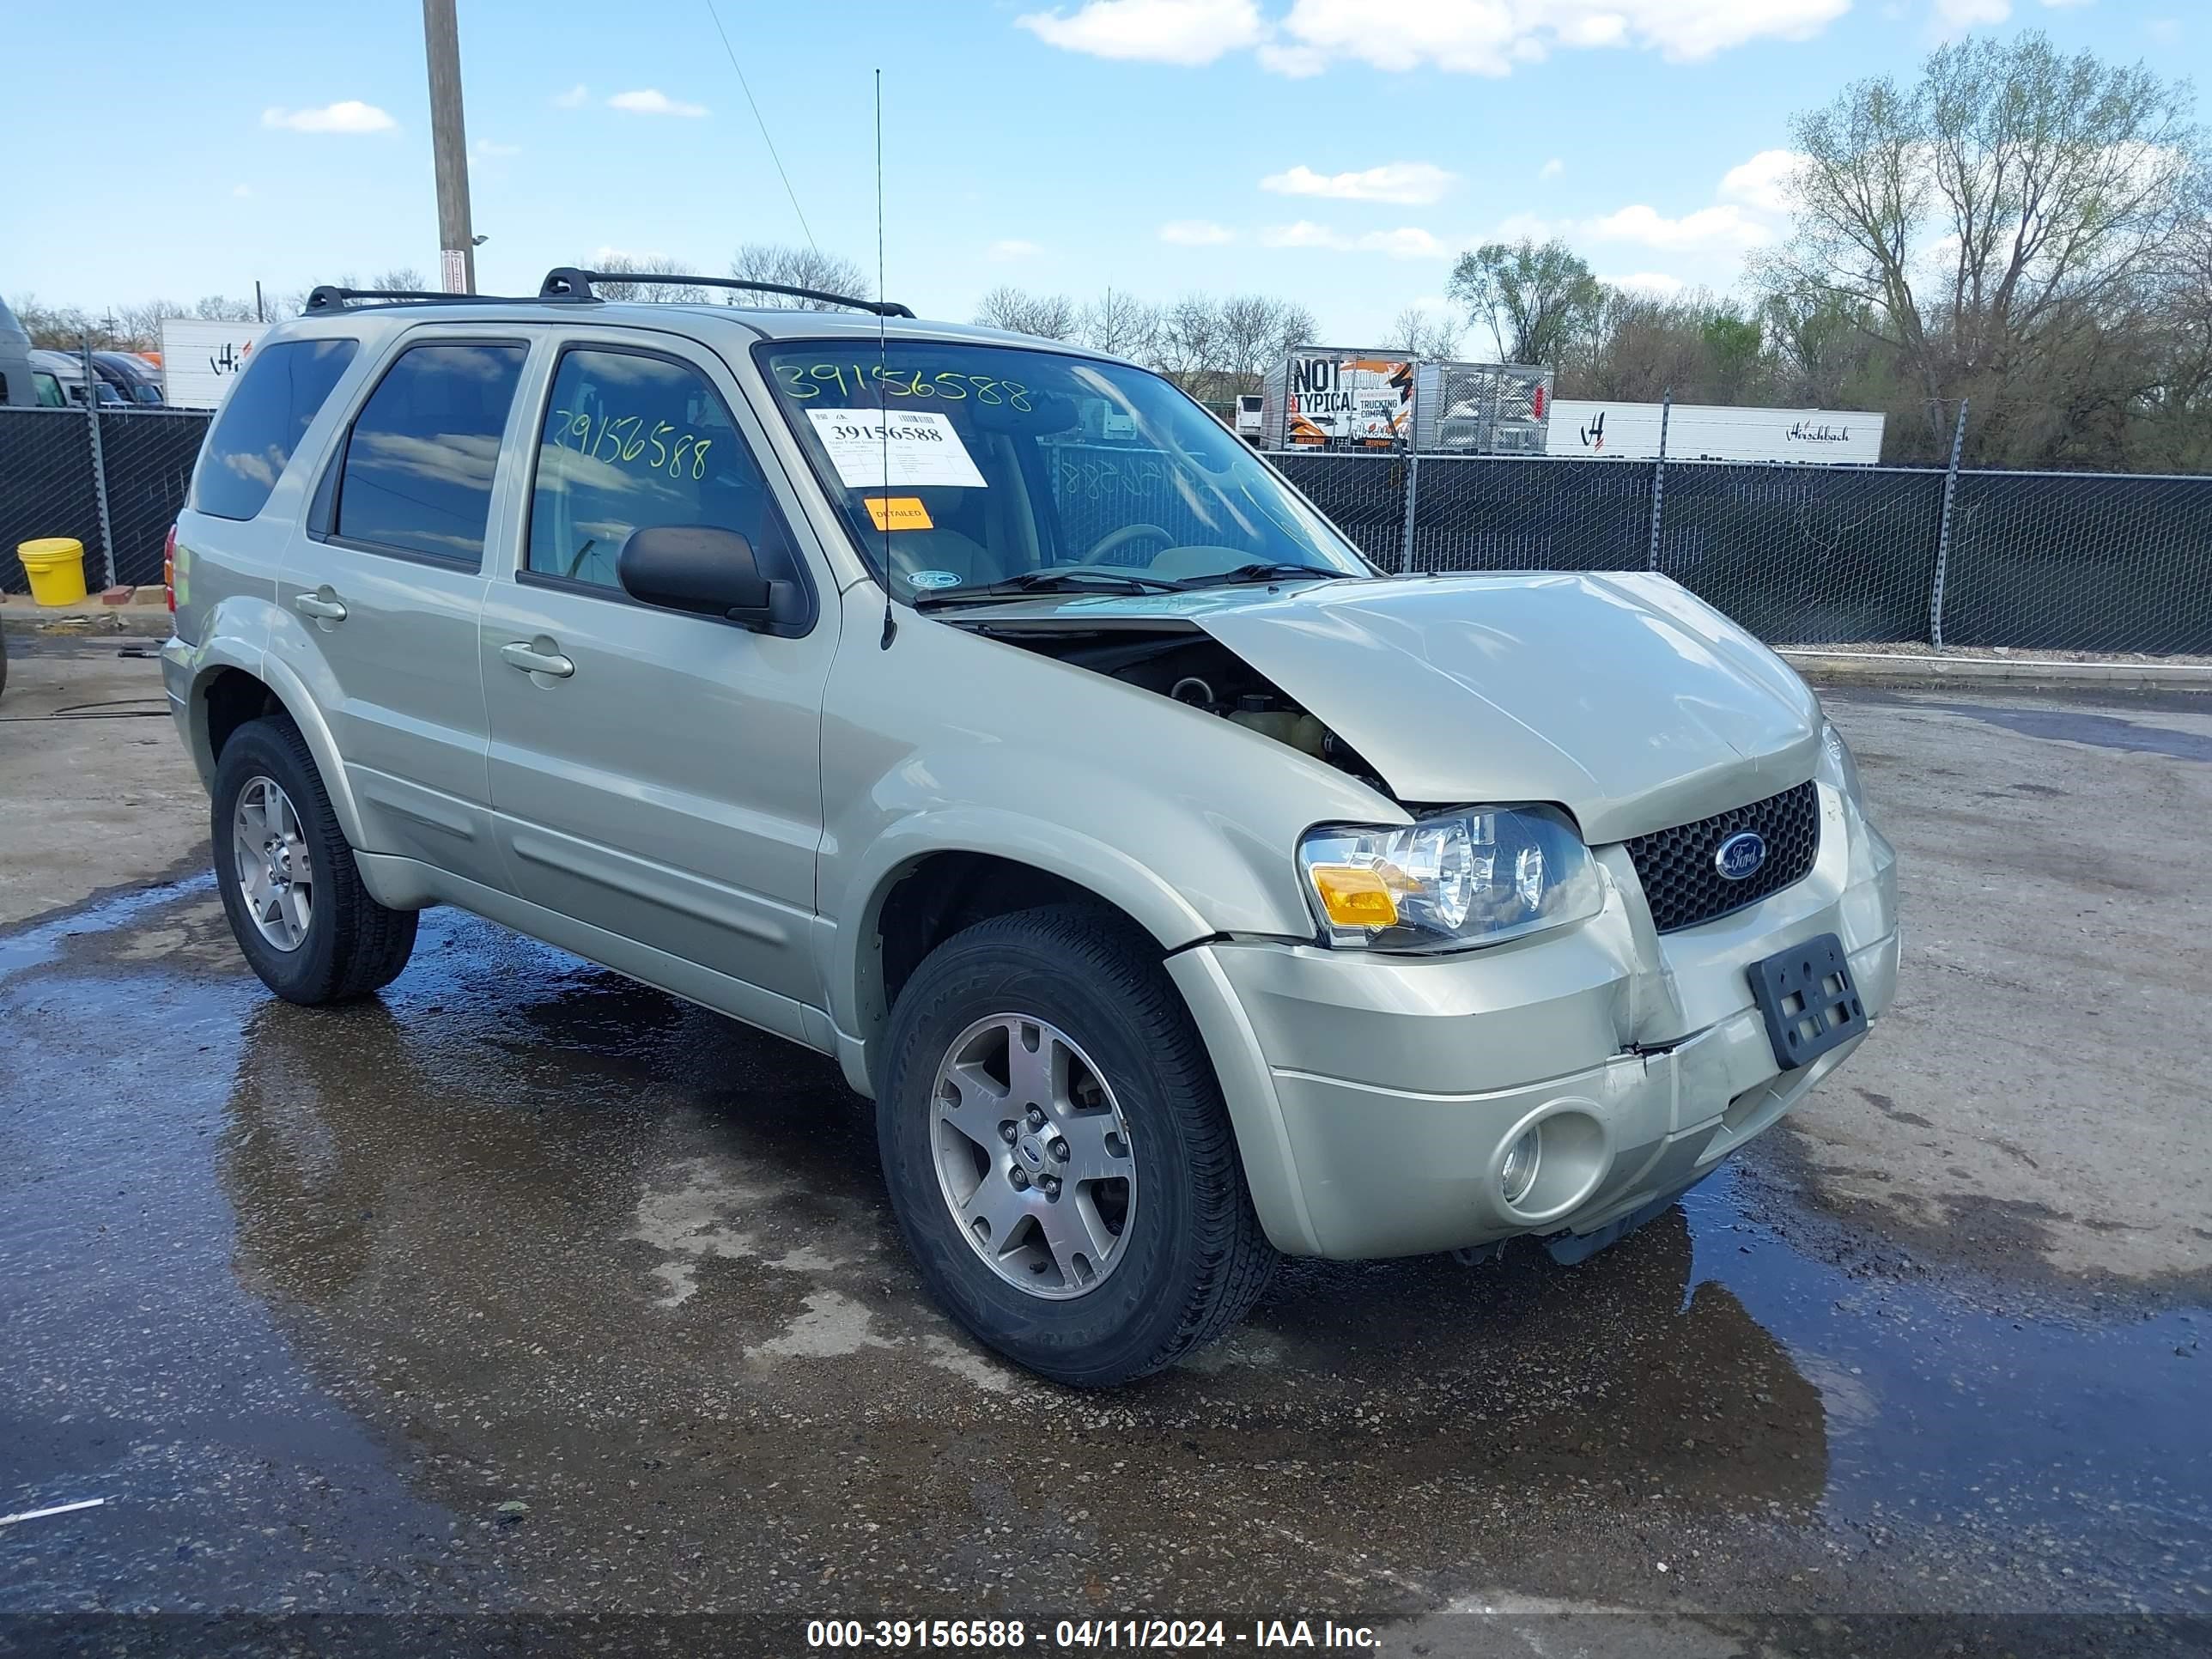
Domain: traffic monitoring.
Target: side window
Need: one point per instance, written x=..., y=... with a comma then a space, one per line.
x=632, y=441
x=419, y=460
x=49, y=390
x=263, y=420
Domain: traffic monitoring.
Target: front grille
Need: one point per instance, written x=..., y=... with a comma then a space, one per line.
x=1684, y=887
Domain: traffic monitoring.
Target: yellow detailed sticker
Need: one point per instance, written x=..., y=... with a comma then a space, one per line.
x=898, y=512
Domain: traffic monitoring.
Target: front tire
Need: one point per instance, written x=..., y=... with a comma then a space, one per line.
x=1057, y=1152
x=293, y=895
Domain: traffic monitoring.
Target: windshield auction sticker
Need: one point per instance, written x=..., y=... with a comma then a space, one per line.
x=884, y=448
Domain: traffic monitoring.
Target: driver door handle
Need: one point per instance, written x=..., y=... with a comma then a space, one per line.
x=531, y=660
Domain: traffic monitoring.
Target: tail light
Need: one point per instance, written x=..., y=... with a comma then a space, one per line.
x=169, y=569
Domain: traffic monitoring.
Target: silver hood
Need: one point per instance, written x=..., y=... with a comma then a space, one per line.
x=1622, y=697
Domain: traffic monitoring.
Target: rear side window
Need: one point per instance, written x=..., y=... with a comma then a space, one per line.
x=263, y=420
x=419, y=460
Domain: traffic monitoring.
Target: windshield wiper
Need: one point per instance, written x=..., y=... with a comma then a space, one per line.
x=1266, y=571
x=1053, y=582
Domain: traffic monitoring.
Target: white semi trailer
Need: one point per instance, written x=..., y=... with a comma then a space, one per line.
x=1713, y=432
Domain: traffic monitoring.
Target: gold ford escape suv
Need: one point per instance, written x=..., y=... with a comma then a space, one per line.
x=981, y=711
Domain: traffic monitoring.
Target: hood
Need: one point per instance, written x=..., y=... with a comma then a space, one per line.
x=1622, y=697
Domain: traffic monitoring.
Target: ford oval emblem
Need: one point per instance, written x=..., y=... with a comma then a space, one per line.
x=1740, y=856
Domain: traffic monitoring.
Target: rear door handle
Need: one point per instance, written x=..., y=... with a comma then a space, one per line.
x=323, y=606
x=531, y=659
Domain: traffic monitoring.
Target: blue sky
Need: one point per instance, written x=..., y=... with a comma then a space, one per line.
x=1336, y=152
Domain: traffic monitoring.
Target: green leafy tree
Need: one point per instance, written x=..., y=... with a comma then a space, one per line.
x=2010, y=209
x=1535, y=298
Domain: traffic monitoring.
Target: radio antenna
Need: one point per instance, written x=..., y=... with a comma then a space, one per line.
x=883, y=358
x=804, y=229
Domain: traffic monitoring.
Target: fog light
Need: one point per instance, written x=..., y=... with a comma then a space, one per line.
x=1519, y=1173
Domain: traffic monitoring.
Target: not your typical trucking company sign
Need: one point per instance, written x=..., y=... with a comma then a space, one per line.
x=199, y=360
x=1714, y=432
x=1336, y=399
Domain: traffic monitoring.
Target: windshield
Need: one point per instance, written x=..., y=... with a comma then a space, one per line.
x=1013, y=470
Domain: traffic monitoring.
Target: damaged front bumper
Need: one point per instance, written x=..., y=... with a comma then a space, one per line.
x=1374, y=1098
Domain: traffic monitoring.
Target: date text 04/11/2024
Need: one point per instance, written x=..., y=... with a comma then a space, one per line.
x=1013, y=1635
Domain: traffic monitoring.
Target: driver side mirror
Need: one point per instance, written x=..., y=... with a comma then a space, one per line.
x=708, y=571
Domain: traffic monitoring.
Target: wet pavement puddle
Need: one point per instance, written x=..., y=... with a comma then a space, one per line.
x=307, y=1295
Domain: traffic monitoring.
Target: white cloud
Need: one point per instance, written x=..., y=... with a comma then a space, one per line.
x=1296, y=62
x=241, y=189
x=1515, y=227
x=575, y=98
x=1763, y=181
x=1408, y=242
x=1952, y=14
x=1412, y=184
x=347, y=115
x=2063, y=5
x=1656, y=283
x=1723, y=225
x=1490, y=37
x=1196, y=233
x=651, y=101
x=1155, y=30
x=1012, y=248
x=1552, y=169
x=491, y=151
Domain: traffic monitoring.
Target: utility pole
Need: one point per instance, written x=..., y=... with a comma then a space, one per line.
x=449, y=144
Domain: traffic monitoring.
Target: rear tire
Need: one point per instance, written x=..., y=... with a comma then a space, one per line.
x=1189, y=1258
x=343, y=943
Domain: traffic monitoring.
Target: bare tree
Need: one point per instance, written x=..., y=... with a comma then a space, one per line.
x=1418, y=333
x=1188, y=345
x=1294, y=326
x=797, y=267
x=1993, y=216
x=1534, y=298
x=1049, y=316
x=619, y=267
x=1119, y=323
x=1245, y=332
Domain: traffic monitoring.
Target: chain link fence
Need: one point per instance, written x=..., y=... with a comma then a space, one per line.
x=1808, y=555
x=117, y=493
x=47, y=487
x=149, y=455
x=1798, y=555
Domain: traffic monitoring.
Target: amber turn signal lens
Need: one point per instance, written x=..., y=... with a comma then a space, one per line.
x=1354, y=896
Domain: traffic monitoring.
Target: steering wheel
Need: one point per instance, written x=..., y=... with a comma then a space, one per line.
x=1113, y=540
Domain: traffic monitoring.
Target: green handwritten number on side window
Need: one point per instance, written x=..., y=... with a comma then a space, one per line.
x=623, y=440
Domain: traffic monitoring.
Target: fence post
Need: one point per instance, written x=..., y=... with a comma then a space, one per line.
x=1943, y=530
x=1412, y=495
x=1659, y=472
x=92, y=384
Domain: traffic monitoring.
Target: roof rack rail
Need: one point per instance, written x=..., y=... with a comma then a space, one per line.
x=567, y=283
x=329, y=297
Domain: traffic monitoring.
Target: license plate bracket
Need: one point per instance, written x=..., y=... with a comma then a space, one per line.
x=1809, y=1000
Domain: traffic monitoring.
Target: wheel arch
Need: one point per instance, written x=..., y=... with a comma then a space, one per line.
x=228, y=690
x=935, y=874
x=925, y=887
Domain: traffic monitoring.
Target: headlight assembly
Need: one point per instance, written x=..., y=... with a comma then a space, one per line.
x=1839, y=769
x=1469, y=878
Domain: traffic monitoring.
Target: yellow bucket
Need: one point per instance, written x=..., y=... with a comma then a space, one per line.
x=55, y=565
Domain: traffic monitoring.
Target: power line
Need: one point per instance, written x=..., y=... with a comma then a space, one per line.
x=765, y=139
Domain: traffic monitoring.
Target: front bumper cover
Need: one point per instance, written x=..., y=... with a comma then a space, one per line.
x=1374, y=1097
